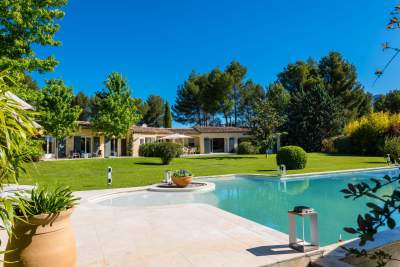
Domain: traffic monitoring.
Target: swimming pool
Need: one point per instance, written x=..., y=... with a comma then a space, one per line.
x=266, y=200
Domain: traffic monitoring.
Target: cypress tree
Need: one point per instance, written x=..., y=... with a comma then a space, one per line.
x=167, y=116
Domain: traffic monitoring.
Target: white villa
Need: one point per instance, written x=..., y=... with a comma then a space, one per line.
x=87, y=143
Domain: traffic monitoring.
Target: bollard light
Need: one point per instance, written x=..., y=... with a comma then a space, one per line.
x=109, y=175
x=301, y=244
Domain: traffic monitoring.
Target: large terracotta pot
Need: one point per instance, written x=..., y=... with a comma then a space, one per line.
x=182, y=181
x=45, y=240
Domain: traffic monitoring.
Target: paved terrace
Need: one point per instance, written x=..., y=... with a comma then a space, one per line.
x=178, y=235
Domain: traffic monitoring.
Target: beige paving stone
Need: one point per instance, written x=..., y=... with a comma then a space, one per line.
x=172, y=236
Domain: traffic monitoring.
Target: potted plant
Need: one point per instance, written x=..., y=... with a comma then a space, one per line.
x=43, y=235
x=182, y=177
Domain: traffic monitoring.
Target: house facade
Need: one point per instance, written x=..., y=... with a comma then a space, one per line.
x=205, y=140
x=88, y=143
x=85, y=143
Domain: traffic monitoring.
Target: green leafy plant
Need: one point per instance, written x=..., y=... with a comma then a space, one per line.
x=33, y=150
x=246, y=148
x=337, y=144
x=16, y=126
x=392, y=148
x=165, y=151
x=382, y=210
x=44, y=200
x=168, y=151
x=148, y=150
x=181, y=173
x=293, y=157
x=113, y=109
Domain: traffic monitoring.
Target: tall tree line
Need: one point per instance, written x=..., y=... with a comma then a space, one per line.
x=156, y=112
x=324, y=96
x=310, y=100
x=216, y=97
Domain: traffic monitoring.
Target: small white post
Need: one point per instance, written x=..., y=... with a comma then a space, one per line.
x=109, y=175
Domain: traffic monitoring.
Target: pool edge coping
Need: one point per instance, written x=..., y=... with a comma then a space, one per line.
x=298, y=174
x=126, y=190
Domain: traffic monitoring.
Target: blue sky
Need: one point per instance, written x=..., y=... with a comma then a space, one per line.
x=156, y=44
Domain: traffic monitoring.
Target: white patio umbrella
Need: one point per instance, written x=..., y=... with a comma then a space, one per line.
x=175, y=136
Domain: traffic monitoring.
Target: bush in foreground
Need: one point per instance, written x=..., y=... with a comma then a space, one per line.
x=246, y=148
x=293, y=157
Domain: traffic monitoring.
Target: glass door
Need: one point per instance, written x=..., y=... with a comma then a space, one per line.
x=207, y=145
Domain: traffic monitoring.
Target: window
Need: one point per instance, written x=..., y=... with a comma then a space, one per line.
x=114, y=147
x=149, y=140
x=48, y=145
x=96, y=144
x=86, y=144
x=141, y=141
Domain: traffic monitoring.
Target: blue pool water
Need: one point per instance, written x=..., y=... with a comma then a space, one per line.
x=267, y=200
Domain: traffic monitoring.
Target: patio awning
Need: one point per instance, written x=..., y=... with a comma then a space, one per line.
x=175, y=136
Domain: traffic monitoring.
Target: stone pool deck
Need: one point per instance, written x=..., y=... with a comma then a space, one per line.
x=178, y=235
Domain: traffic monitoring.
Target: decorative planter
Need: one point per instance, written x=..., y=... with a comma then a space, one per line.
x=45, y=240
x=182, y=181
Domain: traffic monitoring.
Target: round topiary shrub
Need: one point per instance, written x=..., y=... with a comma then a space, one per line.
x=246, y=148
x=293, y=157
x=168, y=151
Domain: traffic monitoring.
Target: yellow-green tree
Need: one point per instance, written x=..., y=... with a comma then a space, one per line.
x=114, y=109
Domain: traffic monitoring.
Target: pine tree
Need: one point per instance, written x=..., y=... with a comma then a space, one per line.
x=313, y=115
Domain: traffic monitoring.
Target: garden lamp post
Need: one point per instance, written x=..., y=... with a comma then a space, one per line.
x=301, y=245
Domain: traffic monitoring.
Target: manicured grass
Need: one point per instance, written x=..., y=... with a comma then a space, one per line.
x=127, y=172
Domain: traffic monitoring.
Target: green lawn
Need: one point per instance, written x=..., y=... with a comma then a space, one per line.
x=127, y=172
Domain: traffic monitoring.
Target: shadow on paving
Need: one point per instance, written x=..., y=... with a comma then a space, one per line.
x=271, y=250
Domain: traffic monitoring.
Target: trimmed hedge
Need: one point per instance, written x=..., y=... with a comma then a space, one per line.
x=246, y=148
x=293, y=157
x=148, y=150
x=165, y=151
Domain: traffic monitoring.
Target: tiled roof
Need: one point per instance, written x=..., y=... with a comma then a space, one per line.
x=151, y=130
x=193, y=131
x=212, y=129
x=184, y=130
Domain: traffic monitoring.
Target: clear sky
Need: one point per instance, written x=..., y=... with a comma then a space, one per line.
x=156, y=44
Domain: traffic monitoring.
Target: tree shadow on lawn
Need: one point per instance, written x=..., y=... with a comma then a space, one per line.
x=149, y=163
x=375, y=162
x=219, y=157
x=265, y=170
